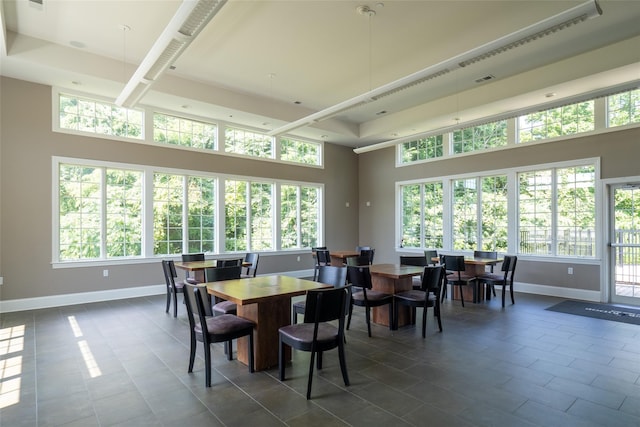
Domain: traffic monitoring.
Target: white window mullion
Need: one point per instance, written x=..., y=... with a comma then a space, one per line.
x=249, y=215
x=447, y=213
x=103, y=214
x=185, y=214
x=220, y=218
x=479, y=244
x=554, y=212
x=513, y=194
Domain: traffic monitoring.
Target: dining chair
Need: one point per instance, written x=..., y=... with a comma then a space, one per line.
x=369, y=253
x=251, y=270
x=430, y=255
x=209, y=329
x=318, y=333
x=323, y=257
x=427, y=296
x=218, y=274
x=190, y=258
x=457, y=277
x=419, y=261
x=233, y=262
x=504, y=279
x=357, y=260
x=365, y=296
x=173, y=287
x=328, y=274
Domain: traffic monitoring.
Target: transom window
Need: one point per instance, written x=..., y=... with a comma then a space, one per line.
x=102, y=118
x=566, y=120
x=297, y=151
x=422, y=149
x=249, y=143
x=624, y=108
x=185, y=132
x=481, y=137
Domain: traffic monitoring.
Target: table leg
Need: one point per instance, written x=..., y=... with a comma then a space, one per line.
x=269, y=316
x=380, y=315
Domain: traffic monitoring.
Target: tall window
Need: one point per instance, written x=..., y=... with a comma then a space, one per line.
x=235, y=215
x=465, y=214
x=566, y=120
x=624, y=108
x=570, y=192
x=242, y=141
x=201, y=219
x=576, y=211
x=421, y=149
x=493, y=213
x=422, y=215
x=87, y=115
x=299, y=216
x=187, y=133
x=293, y=150
x=480, y=137
x=86, y=229
x=168, y=205
x=261, y=216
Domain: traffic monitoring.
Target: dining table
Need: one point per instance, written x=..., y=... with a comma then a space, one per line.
x=339, y=258
x=391, y=279
x=198, y=267
x=474, y=267
x=265, y=300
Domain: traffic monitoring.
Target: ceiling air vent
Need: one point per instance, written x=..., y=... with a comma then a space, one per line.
x=485, y=78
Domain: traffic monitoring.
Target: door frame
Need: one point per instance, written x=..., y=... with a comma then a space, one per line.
x=606, y=271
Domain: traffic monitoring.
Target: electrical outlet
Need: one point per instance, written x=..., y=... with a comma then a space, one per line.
x=105, y=273
x=298, y=258
x=570, y=270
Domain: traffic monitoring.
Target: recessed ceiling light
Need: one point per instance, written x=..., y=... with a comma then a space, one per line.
x=185, y=106
x=77, y=44
x=381, y=112
x=550, y=95
x=75, y=82
x=297, y=102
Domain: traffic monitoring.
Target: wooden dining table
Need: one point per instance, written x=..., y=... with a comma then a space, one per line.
x=339, y=258
x=265, y=300
x=474, y=267
x=391, y=279
x=198, y=267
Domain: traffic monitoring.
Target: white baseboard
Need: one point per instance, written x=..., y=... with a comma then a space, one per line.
x=556, y=291
x=98, y=296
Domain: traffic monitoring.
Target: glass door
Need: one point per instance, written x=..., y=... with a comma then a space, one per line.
x=625, y=244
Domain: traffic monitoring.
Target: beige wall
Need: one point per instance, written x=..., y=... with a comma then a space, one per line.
x=27, y=146
x=618, y=150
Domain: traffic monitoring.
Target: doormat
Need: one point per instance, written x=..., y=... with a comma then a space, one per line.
x=598, y=311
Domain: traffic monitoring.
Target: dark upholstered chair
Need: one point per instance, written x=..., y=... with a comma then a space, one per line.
x=457, y=277
x=430, y=255
x=365, y=296
x=251, y=270
x=234, y=262
x=328, y=274
x=323, y=257
x=218, y=274
x=209, y=329
x=357, y=260
x=427, y=296
x=174, y=287
x=316, y=334
x=504, y=279
x=368, y=253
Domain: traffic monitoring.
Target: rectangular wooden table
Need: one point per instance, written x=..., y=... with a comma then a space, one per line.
x=198, y=267
x=339, y=258
x=391, y=279
x=474, y=267
x=265, y=300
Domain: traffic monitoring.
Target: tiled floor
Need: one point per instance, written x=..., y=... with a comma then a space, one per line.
x=125, y=363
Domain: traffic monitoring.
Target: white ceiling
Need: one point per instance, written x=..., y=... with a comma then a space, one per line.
x=266, y=63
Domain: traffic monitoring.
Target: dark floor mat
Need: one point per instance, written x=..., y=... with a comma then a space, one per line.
x=598, y=311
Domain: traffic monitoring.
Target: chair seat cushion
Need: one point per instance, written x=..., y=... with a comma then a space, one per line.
x=492, y=277
x=299, y=306
x=463, y=278
x=371, y=295
x=192, y=281
x=224, y=324
x=412, y=295
x=225, y=307
x=303, y=333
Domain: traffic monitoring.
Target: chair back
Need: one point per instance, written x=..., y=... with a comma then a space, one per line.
x=359, y=276
x=229, y=262
x=362, y=248
x=369, y=253
x=511, y=262
x=357, y=260
x=332, y=275
x=169, y=270
x=430, y=255
x=325, y=305
x=454, y=263
x=420, y=261
x=323, y=257
x=318, y=248
x=218, y=274
x=197, y=310
x=192, y=257
x=433, y=280
x=252, y=258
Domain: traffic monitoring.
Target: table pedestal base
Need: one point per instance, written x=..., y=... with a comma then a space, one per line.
x=380, y=315
x=269, y=316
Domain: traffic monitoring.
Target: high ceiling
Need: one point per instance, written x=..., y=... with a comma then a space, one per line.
x=265, y=63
